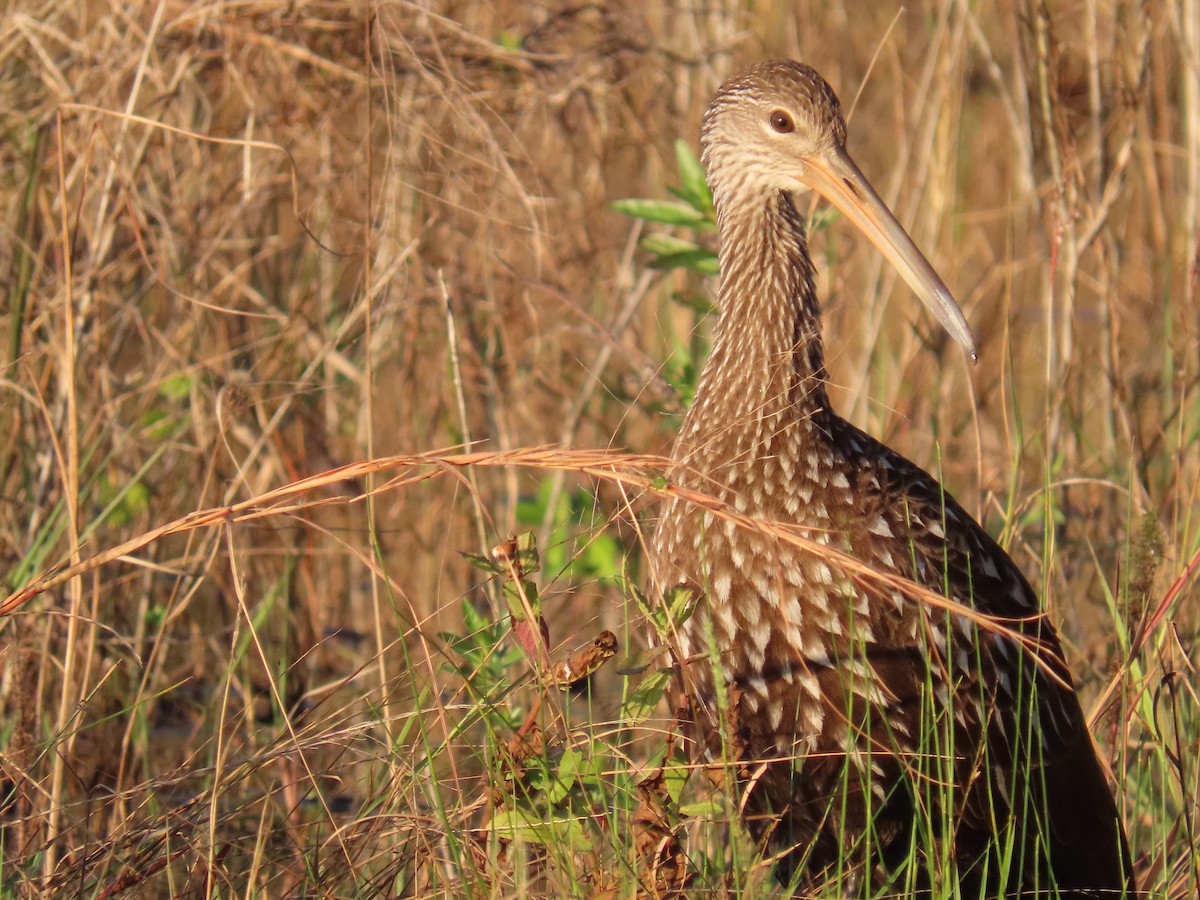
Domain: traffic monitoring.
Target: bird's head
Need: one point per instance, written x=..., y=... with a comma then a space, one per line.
x=778, y=127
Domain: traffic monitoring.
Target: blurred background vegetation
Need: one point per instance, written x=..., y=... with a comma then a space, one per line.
x=249, y=242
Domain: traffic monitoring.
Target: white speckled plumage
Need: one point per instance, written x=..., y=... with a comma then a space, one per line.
x=817, y=661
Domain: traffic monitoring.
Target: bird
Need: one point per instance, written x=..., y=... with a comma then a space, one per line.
x=873, y=669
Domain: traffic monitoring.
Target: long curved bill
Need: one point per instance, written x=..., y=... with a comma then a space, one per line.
x=835, y=176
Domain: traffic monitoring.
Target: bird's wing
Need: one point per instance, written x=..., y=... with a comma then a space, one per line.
x=953, y=555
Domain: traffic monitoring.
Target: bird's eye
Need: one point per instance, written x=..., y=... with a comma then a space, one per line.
x=782, y=122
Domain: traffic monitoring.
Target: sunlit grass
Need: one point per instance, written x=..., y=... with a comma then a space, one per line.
x=303, y=236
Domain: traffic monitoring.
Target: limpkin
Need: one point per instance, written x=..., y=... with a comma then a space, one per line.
x=874, y=737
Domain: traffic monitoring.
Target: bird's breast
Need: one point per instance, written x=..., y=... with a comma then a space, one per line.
x=783, y=504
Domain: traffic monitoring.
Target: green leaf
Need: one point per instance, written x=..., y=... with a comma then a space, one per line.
x=702, y=809
x=642, y=601
x=640, y=705
x=564, y=780
x=695, y=302
x=483, y=563
x=675, y=775
x=527, y=553
x=699, y=260
x=601, y=557
x=691, y=173
x=155, y=616
x=510, y=40
x=664, y=244
x=474, y=619
x=177, y=387
x=667, y=212
x=122, y=502
x=681, y=603
x=160, y=425
x=551, y=831
x=516, y=605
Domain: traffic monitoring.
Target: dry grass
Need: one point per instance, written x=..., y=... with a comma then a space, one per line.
x=251, y=243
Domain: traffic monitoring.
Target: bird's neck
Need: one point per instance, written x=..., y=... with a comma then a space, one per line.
x=767, y=360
